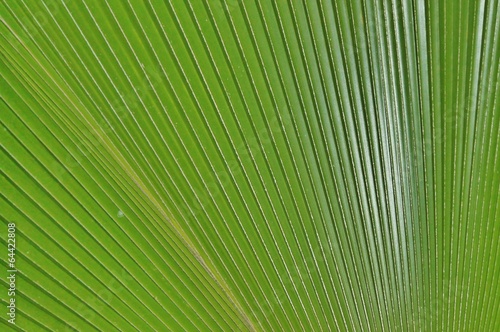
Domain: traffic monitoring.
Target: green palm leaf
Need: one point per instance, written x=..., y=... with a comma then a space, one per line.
x=251, y=165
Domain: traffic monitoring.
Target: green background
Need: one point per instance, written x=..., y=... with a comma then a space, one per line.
x=251, y=165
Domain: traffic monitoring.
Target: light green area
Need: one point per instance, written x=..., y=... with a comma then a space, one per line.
x=251, y=165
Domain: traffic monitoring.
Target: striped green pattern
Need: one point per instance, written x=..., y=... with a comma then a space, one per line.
x=251, y=165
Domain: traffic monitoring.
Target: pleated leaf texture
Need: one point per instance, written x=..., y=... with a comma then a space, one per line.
x=251, y=165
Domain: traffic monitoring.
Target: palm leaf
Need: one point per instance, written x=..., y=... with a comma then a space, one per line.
x=251, y=165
